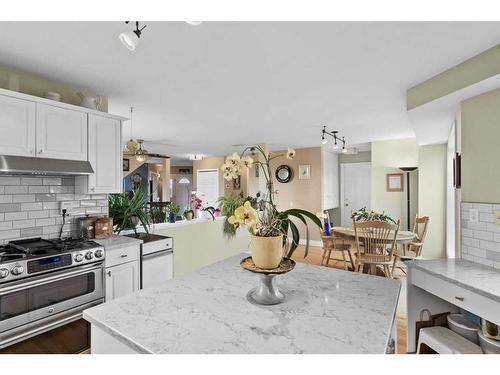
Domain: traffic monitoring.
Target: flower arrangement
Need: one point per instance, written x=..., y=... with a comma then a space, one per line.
x=364, y=215
x=198, y=205
x=260, y=215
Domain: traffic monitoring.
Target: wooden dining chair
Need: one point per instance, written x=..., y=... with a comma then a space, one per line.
x=375, y=245
x=412, y=250
x=331, y=243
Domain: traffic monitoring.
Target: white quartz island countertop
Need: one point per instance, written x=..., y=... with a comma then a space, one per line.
x=326, y=311
x=480, y=279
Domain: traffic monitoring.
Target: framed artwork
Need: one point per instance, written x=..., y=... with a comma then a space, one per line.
x=395, y=182
x=305, y=172
x=237, y=183
x=126, y=165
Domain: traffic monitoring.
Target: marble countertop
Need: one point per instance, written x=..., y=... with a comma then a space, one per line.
x=475, y=277
x=117, y=242
x=326, y=311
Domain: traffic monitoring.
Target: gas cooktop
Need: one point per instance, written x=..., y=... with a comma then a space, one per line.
x=38, y=247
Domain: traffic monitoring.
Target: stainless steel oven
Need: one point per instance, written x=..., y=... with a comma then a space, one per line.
x=41, y=303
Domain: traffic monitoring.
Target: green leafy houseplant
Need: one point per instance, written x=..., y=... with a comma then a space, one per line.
x=364, y=215
x=260, y=215
x=128, y=209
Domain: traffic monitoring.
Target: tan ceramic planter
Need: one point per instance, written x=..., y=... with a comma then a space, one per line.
x=267, y=252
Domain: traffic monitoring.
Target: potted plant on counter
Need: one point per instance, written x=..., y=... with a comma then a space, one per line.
x=128, y=210
x=173, y=210
x=273, y=233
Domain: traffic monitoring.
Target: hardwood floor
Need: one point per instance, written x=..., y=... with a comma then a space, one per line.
x=314, y=257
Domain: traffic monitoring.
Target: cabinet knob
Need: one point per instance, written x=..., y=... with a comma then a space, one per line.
x=108, y=273
x=459, y=298
x=92, y=189
x=40, y=151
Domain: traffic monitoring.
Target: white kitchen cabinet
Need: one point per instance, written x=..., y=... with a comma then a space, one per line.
x=105, y=156
x=330, y=179
x=17, y=126
x=61, y=133
x=122, y=279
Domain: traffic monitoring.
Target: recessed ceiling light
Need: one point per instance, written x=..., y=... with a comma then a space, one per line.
x=195, y=157
x=194, y=23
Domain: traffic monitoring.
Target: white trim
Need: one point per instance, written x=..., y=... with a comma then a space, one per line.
x=316, y=243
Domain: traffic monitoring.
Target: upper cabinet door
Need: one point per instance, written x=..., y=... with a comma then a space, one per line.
x=17, y=127
x=61, y=133
x=105, y=154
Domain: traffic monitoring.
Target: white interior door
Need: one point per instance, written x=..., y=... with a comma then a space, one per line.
x=207, y=186
x=355, y=189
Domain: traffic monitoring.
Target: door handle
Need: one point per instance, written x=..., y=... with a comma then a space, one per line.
x=108, y=273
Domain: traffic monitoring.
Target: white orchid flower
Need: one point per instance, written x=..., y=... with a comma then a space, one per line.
x=247, y=161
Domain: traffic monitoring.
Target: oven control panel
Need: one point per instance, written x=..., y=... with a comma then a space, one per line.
x=24, y=268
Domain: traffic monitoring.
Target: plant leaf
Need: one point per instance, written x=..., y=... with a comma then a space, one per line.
x=295, y=238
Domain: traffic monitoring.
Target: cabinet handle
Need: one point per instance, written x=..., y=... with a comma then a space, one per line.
x=40, y=151
x=123, y=255
x=459, y=298
x=109, y=273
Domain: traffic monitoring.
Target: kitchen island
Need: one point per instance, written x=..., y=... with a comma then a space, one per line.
x=326, y=311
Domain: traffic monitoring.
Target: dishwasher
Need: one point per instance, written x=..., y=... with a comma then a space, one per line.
x=157, y=259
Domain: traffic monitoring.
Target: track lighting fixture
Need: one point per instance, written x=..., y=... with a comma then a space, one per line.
x=336, y=139
x=130, y=39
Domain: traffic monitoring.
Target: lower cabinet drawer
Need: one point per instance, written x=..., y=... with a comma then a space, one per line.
x=123, y=255
x=466, y=299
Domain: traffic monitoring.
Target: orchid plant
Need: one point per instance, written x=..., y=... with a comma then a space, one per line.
x=262, y=218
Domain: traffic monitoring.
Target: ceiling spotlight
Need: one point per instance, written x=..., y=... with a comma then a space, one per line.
x=335, y=145
x=337, y=141
x=194, y=23
x=344, y=150
x=130, y=39
x=324, y=140
x=195, y=157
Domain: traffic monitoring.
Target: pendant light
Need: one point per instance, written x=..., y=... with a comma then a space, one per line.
x=132, y=145
x=141, y=154
x=130, y=39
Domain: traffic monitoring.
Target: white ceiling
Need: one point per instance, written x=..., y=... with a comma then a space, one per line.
x=201, y=89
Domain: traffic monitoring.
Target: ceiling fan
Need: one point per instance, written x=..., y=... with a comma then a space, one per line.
x=135, y=147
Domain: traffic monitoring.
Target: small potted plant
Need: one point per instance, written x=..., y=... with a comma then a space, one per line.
x=173, y=210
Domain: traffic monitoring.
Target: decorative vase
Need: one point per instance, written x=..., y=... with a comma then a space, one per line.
x=189, y=215
x=267, y=252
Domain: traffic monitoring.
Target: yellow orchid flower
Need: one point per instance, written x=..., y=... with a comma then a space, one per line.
x=234, y=221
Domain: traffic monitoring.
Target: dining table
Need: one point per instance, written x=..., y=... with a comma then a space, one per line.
x=348, y=234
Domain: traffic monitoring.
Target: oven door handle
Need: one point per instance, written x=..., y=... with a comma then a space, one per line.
x=42, y=280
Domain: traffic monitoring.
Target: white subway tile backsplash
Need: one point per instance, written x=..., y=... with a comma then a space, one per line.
x=14, y=189
x=23, y=198
x=29, y=206
x=481, y=240
x=11, y=216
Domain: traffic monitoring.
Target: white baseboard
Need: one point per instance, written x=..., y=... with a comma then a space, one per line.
x=311, y=242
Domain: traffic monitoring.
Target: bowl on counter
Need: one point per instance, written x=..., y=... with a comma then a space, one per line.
x=489, y=346
x=459, y=324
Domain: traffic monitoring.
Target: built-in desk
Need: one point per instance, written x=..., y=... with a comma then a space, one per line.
x=449, y=285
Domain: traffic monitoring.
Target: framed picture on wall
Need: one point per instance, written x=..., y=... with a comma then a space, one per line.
x=126, y=165
x=237, y=183
x=305, y=172
x=394, y=182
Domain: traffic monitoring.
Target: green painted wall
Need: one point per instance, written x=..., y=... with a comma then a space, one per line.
x=432, y=198
x=471, y=71
x=28, y=83
x=361, y=157
x=480, y=136
x=387, y=157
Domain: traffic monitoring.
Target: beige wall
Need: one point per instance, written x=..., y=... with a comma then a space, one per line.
x=480, y=137
x=432, y=198
x=28, y=83
x=303, y=194
x=387, y=157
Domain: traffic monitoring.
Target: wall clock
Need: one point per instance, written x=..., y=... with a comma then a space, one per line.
x=283, y=174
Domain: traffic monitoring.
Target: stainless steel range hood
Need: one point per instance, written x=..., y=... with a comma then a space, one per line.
x=43, y=166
